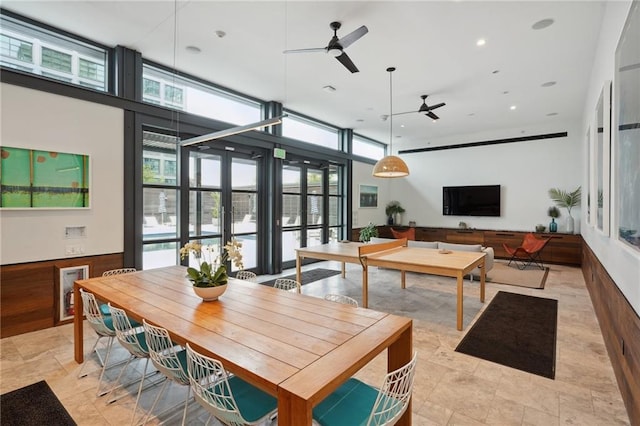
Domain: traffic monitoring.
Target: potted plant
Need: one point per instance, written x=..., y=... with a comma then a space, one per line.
x=567, y=200
x=367, y=232
x=553, y=213
x=210, y=277
x=392, y=211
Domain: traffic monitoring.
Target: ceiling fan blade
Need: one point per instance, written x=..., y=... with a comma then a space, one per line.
x=346, y=61
x=436, y=106
x=312, y=50
x=403, y=113
x=353, y=36
x=432, y=115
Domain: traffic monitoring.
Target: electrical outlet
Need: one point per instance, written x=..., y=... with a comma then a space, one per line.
x=73, y=250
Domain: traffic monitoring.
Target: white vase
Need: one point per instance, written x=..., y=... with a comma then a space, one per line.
x=570, y=224
x=210, y=293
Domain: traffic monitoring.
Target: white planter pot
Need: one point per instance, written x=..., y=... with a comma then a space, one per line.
x=570, y=224
x=210, y=293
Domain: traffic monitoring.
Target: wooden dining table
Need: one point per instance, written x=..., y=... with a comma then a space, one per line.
x=395, y=254
x=296, y=347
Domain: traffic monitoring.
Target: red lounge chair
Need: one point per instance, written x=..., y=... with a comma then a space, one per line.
x=409, y=234
x=528, y=252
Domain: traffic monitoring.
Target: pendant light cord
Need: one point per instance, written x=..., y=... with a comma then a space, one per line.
x=391, y=70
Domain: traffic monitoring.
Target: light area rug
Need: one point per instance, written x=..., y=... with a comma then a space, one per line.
x=531, y=277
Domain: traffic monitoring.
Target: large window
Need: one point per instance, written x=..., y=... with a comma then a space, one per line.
x=34, y=50
x=306, y=130
x=160, y=199
x=367, y=148
x=164, y=88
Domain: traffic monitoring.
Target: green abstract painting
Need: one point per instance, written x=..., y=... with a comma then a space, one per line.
x=43, y=179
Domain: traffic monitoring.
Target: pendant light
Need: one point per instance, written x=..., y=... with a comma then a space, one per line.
x=390, y=166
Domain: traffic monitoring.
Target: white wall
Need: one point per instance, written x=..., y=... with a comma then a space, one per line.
x=362, y=216
x=525, y=171
x=620, y=261
x=38, y=120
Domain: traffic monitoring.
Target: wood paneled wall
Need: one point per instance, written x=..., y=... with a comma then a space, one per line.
x=620, y=326
x=28, y=295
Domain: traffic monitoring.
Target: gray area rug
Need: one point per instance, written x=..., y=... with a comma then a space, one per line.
x=531, y=277
x=33, y=405
x=307, y=276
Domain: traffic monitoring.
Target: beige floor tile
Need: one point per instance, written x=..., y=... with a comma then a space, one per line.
x=449, y=388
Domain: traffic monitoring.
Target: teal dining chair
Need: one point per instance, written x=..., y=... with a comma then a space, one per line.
x=103, y=327
x=170, y=359
x=357, y=403
x=226, y=397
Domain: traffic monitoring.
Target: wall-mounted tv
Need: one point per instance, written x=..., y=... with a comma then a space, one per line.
x=478, y=200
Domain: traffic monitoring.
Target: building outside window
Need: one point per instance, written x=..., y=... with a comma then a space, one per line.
x=41, y=52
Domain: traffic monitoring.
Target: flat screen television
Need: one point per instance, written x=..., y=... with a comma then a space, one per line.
x=479, y=200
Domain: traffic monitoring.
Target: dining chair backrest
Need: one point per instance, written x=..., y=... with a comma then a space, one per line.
x=210, y=386
x=118, y=271
x=101, y=324
x=287, y=284
x=394, y=395
x=131, y=338
x=163, y=353
x=247, y=276
x=341, y=298
x=214, y=389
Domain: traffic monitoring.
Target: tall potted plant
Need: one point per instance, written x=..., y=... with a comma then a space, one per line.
x=393, y=212
x=567, y=200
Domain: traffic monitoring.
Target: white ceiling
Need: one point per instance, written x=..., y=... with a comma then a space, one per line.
x=431, y=43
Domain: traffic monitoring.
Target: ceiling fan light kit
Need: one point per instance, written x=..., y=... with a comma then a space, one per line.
x=390, y=166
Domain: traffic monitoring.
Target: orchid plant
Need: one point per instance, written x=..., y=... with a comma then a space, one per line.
x=212, y=269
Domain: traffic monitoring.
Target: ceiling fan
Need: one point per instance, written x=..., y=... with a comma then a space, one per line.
x=426, y=109
x=337, y=45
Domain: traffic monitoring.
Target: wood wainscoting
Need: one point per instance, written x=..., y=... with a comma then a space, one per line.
x=28, y=291
x=620, y=326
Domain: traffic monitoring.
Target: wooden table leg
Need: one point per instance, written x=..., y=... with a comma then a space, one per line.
x=403, y=274
x=78, y=331
x=344, y=270
x=399, y=354
x=460, y=295
x=482, y=281
x=298, y=268
x=365, y=282
x=293, y=410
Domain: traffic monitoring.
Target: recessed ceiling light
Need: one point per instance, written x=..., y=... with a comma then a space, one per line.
x=329, y=89
x=512, y=107
x=551, y=114
x=543, y=23
x=495, y=71
x=193, y=49
x=402, y=125
x=506, y=92
x=549, y=84
x=481, y=42
x=220, y=33
x=471, y=114
x=359, y=120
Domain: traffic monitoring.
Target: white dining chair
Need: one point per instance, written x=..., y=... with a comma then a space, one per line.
x=111, y=272
x=341, y=298
x=247, y=276
x=288, y=285
x=357, y=403
x=170, y=359
x=103, y=327
x=134, y=340
x=227, y=397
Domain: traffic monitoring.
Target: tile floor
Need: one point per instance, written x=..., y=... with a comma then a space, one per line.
x=450, y=388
